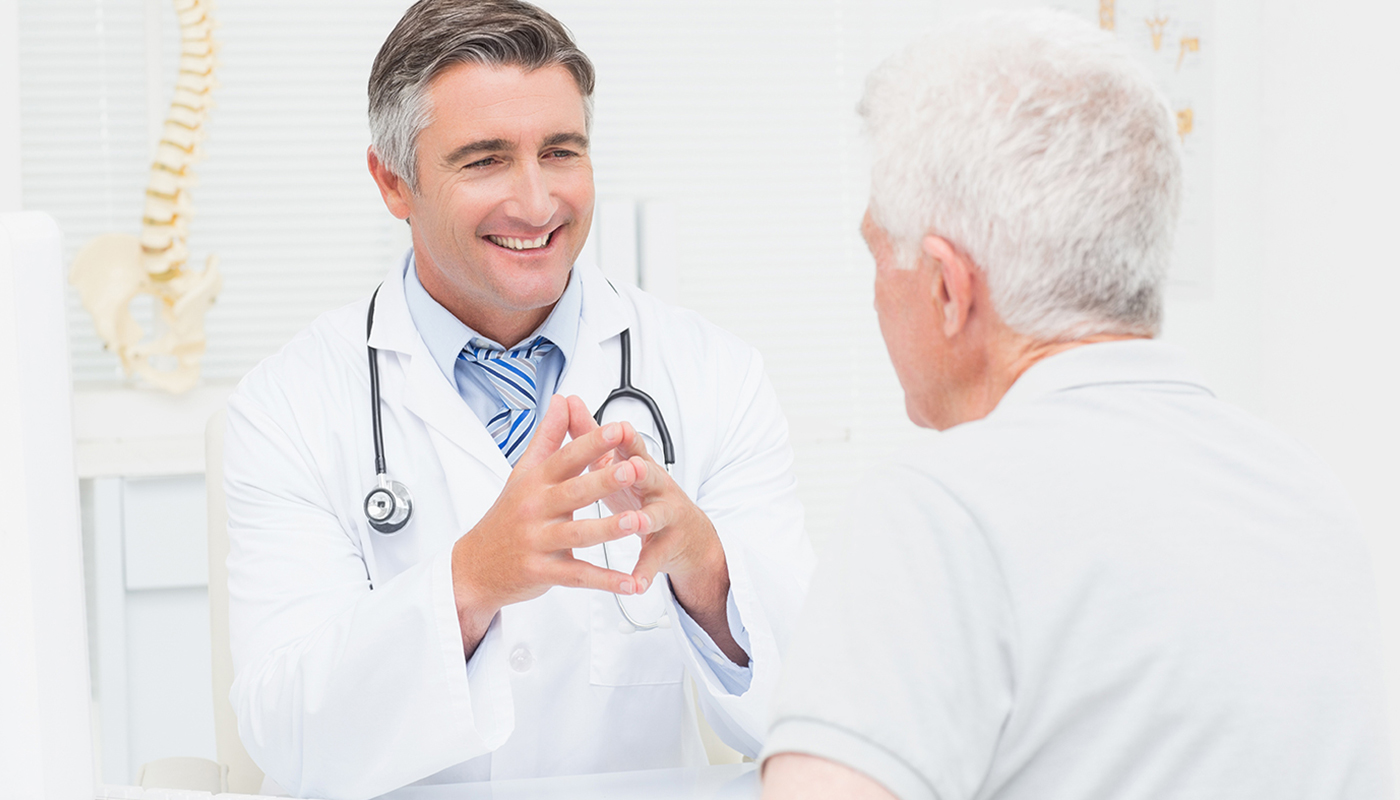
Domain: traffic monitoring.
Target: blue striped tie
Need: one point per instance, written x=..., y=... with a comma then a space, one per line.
x=512, y=374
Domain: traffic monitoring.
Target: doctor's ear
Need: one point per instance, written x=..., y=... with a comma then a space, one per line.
x=954, y=282
x=392, y=188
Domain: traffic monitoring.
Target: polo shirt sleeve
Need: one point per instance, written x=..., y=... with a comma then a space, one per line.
x=901, y=667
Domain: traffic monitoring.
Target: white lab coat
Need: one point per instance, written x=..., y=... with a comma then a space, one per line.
x=350, y=675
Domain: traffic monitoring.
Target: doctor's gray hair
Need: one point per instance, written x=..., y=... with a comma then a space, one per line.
x=434, y=35
x=1035, y=145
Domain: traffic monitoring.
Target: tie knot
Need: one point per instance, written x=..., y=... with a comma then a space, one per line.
x=479, y=349
x=511, y=372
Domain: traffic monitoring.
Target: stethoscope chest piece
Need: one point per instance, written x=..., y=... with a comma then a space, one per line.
x=388, y=505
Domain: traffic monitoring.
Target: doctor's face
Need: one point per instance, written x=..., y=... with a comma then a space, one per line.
x=505, y=194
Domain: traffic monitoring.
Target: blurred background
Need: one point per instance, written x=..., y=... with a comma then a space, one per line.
x=737, y=117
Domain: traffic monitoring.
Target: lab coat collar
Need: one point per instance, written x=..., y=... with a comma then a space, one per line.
x=425, y=391
x=393, y=325
x=603, y=315
x=602, y=311
x=1142, y=361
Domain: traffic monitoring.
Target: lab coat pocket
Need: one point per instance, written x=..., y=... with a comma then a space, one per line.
x=622, y=655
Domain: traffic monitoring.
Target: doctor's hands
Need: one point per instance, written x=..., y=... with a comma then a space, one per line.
x=677, y=537
x=522, y=546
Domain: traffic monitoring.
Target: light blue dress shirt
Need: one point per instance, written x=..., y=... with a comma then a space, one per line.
x=445, y=336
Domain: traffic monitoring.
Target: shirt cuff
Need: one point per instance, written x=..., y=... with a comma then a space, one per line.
x=734, y=678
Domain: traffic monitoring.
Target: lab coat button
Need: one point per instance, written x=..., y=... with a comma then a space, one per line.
x=521, y=659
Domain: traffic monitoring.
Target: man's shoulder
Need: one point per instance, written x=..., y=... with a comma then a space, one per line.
x=1129, y=448
x=684, y=327
x=328, y=353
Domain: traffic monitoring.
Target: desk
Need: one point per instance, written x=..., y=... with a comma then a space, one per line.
x=724, y=782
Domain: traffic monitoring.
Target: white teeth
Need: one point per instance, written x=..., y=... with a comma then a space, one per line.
x=520, y=244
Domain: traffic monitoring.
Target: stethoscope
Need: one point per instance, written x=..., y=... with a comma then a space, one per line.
x=389, y=505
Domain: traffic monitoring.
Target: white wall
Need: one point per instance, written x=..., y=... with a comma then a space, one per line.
x=9, y=106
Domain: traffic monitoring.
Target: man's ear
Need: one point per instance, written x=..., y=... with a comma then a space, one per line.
x=954, y=285
x=392, y=188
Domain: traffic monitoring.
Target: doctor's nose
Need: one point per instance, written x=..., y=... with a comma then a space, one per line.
x=533, y=203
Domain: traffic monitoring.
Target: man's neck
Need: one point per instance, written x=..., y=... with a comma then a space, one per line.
x=504, y=326
x=1008, y=358
x=508, y=329
x=1029, y=352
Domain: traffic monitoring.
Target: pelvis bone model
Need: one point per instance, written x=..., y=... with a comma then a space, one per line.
x=113, y=269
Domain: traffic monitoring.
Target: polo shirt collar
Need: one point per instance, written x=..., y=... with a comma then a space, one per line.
x=1129, y=361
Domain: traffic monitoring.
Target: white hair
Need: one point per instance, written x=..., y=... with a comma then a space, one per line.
x=1035, y=145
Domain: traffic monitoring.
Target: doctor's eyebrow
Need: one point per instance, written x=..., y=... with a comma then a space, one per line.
x=470, y=149
x=576, y=139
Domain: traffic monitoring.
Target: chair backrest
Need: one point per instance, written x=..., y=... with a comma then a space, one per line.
x=244, y=777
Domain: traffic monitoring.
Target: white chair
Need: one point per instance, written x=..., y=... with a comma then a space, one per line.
x=244, y=777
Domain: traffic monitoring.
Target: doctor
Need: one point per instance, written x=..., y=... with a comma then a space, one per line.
x=486, y=638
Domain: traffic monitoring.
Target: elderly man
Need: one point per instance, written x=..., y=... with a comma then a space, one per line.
x=427, y=582
x=1100, y=581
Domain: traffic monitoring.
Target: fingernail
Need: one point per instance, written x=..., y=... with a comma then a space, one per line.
x=627, y=587
x=627, y=522
x=643, y=583
x=644, y=520
x=611, y=432
x=622, y=473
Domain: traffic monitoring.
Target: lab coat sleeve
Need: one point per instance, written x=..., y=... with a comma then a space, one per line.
x=749, y=493
x=342, y=689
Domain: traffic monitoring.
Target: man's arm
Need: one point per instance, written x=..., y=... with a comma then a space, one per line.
x=795, y=776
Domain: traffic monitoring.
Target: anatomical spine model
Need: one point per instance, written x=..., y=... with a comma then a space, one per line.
x=115, y=268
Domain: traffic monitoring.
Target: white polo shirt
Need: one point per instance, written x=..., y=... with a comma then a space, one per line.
x=1113, y=586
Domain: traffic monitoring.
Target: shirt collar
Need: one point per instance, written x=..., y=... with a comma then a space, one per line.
x=445, y=335
x=1127, y=361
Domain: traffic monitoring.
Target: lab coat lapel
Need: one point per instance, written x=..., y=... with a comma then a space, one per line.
x=426, y=392
x=590, y=374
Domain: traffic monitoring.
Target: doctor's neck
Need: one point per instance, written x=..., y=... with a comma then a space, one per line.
x=503, y=320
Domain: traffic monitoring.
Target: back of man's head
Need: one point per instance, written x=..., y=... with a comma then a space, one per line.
x=434, y=35
x=1035, y=145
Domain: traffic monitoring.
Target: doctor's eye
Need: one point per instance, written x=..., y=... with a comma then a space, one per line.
x=485, y=162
